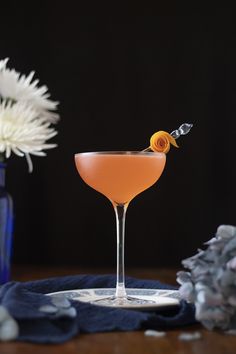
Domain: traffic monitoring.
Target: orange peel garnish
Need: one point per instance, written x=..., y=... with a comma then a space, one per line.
x=161, y=141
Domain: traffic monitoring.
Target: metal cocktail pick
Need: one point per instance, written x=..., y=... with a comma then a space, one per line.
x=183, y=130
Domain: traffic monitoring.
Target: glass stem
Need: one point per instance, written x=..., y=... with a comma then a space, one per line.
x=120, y=211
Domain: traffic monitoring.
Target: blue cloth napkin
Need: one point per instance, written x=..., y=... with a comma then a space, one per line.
x=27, y=314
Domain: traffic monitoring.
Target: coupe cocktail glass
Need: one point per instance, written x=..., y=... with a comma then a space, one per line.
x=120, y=176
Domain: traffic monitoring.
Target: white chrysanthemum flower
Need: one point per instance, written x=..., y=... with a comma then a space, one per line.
x=22, y=131
x=22, y=88
x=3, y=63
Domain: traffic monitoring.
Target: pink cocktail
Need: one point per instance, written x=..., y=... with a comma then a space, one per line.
x=120, y=176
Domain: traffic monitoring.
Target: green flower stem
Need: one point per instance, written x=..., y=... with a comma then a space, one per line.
x=2, y=159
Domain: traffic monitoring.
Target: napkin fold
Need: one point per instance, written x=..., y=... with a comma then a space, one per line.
x=27, y=314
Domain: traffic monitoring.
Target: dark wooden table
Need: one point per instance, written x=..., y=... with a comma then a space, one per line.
x=122, y=342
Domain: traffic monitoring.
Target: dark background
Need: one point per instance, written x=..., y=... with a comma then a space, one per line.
x=119, y=78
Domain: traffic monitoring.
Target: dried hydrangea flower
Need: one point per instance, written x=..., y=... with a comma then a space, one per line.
x=154, y=333
x=187, y=337
x=9, y=329
x=210, y=282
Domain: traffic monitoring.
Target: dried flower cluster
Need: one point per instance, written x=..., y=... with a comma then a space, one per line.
x=26, y=115
x=211, y=281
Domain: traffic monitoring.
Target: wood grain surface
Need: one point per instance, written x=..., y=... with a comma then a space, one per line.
x=123, y=342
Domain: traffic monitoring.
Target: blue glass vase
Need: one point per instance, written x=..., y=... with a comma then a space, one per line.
x=6, y=228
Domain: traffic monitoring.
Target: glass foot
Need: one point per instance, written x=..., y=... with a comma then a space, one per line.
x=134, y=299
x=127, y=301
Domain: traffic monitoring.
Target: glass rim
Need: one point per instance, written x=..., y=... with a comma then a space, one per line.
x=120, y=152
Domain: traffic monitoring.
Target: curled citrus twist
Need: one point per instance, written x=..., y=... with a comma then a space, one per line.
x=161, y=141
